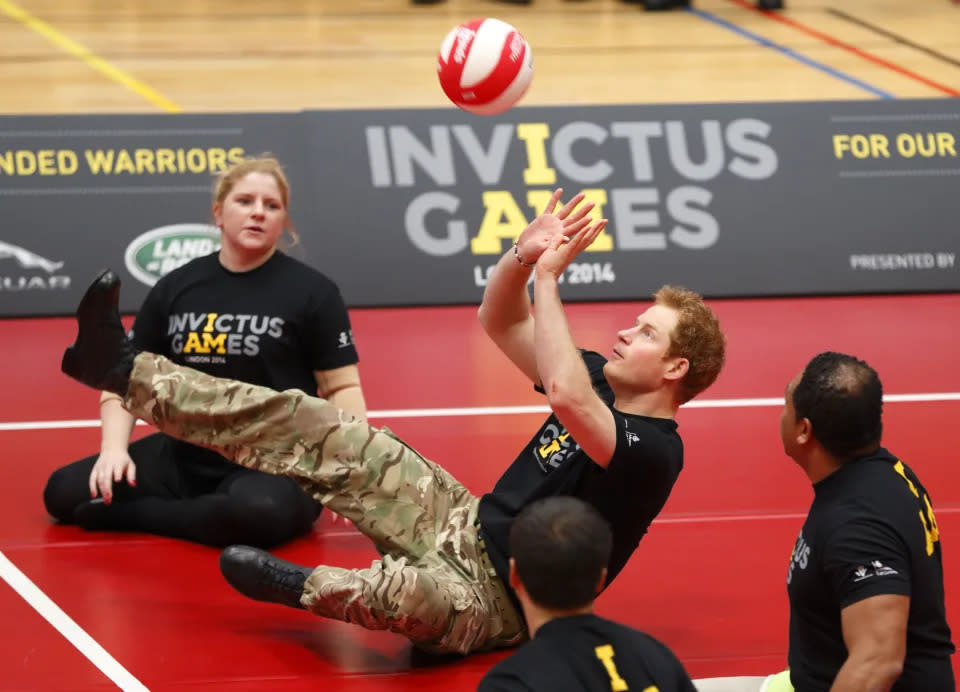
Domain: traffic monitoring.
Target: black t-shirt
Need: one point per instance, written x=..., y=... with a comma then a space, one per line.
x=629, y=492
x=870, y=531
x=271, y=326
x=586, y=653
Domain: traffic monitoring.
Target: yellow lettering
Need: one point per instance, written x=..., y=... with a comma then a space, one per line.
x=926, y=145
x=537, y=171
x=946, y=144
x=67, y=161
x=193, y=344
x=26, y=163
x=165, y=162
x=501, y=220
x=605, y=654
x=45, y=161
x=42, y=162
x=218, y=342
x=99, y=161
x=879, y=146
x=196, y=161
x=211, y=318
x=145, y=158
x=899, y=468
x=930, y=526
x=906, y=145
x=218, y=159
x=236, y=154
x=927, y=518
x=553, y=447
x=861, y=146
x=550, y=449
x=124, y=163
x=841, y=143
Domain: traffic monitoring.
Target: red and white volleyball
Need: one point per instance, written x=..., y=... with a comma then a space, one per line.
x=485, y=66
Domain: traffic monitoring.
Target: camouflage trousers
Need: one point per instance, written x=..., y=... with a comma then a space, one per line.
x=434, y=583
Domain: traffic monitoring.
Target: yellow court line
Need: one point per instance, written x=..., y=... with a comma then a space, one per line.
x=96, y=62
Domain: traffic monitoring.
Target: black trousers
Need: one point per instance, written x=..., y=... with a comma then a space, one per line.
x=186, y=492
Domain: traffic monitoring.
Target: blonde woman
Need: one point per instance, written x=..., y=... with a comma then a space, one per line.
x=248, y=312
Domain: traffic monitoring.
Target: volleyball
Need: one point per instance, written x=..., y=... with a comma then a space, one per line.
x=484, y=66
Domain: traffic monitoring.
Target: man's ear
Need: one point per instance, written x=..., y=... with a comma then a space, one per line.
x=677, y=369
x=804, y=431
x=603, y=580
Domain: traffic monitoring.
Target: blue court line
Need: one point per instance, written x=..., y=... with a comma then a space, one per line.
x=789, y=52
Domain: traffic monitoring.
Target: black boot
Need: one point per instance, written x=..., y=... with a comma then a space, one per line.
x=769, y=4
x=102, y=356
x=259, y=575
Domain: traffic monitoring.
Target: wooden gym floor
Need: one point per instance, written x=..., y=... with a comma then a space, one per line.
x=111, y=56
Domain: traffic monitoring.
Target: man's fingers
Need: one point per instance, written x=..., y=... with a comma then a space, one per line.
x=554, y=200
x=576, y=227
x=570, y=206
x=556, y=241
x=584, y=237
x=580, y=213
x=595, y=232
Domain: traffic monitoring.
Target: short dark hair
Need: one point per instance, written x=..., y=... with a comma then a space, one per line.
x=843, y=399
x=560, y=546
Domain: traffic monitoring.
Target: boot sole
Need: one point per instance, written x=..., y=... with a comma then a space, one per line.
x=71, y=364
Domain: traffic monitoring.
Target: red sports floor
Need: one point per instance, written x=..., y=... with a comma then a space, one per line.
x=141, y=612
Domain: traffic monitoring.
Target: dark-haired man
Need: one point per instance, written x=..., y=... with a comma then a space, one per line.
x=865, y=579
x=560, y=548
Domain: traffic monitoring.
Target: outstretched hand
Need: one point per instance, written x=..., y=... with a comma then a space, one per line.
x=562, y=250
x=564, y=223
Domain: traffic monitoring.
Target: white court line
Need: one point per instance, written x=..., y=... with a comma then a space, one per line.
x=52, y=613
x=501, y=410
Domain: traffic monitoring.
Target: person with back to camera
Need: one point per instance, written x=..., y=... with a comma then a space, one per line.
x=559, y=551
x=248, y=312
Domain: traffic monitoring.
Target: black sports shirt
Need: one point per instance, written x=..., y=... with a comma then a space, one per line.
x=871, y=530
x=586, y=653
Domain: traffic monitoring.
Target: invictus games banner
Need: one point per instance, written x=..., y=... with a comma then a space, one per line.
x=731, y=200
x=414, y=207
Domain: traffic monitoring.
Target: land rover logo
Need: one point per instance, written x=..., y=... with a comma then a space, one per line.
x=160, y=251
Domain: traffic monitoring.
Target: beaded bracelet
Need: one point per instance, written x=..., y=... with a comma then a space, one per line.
x=516, y=253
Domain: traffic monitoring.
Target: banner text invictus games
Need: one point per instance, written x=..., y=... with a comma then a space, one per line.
x=645, y=216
